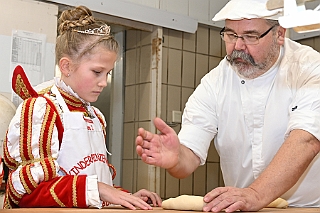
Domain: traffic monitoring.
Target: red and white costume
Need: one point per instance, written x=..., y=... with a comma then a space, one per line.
x=55, y=148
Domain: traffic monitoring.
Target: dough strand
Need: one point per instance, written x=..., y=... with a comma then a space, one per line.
x=184, y=202
x=196, y=203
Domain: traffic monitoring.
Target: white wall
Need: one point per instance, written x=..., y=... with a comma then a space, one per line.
x=202, y=10
x=31, y=16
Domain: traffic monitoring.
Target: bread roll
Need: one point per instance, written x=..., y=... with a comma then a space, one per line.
x=184, y=202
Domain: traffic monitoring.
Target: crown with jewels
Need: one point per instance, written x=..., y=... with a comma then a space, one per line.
x=101, y=31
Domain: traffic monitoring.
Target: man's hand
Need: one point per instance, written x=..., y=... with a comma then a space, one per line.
x=232, y=199
x=160, y=150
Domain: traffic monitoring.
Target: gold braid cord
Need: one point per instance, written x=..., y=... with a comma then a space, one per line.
x=54, y=195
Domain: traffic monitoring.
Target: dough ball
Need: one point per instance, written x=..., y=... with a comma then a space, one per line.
x=184, y=202
x=278, y=203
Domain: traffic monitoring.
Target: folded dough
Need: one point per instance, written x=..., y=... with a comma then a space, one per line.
x=184, y=202
x=278, y=203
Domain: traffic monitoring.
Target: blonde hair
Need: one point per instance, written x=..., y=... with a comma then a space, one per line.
x=73, y=44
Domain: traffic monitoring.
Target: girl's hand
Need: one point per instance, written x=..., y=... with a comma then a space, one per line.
x=149, y=197
x=112, y=195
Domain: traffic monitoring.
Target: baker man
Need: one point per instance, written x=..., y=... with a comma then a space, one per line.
x=261, y=105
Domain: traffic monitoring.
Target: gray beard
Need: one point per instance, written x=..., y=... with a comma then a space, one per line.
x=248, y=68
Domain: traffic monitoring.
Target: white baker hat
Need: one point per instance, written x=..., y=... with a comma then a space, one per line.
x=246, y=9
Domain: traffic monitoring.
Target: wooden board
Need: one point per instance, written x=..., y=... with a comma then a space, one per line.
x=155, y=210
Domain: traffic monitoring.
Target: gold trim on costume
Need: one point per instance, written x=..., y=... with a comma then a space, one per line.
x=23, y=181
x=102, y=124
x=53, y=168
x=74, y=191
x=20, y=86
x=45, y=170
x=46, y=128
x=24, y=163
x=42, y=131
x=29, y=127
x=21, y=131
x=54, y=195
x=29, y=134
x=51, y=127
x=73, y=100
x=13, y=191
x=13, y=200
x=45, y=90
x=28, y=170
x=7, y=205
x=7, y=155
x=76, y=105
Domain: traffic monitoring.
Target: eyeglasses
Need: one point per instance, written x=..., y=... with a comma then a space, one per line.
x=249, y=39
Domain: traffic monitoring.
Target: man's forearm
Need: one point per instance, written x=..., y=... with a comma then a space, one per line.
x=292, y=159
x=187, y=163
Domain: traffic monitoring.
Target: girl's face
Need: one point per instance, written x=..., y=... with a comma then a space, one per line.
x=89, y=77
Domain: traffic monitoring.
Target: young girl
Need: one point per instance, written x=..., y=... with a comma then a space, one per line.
x=55, y=144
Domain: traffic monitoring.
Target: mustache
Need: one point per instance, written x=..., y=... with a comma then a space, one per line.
x=242, y=55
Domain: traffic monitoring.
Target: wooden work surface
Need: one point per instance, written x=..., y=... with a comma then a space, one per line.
x=155, y=210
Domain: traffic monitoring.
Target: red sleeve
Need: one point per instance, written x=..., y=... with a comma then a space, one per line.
x=65, y=191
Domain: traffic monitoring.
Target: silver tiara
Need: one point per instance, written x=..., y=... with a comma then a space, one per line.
x=101, y=31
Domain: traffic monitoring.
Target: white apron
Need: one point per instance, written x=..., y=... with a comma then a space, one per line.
x=83, y=149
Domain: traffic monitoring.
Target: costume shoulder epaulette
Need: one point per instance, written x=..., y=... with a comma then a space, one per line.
x=21, y=85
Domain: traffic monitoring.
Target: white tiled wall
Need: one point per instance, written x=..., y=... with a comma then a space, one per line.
x=186, y=58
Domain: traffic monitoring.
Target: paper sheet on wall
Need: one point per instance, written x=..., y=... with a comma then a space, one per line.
x=27, y=50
